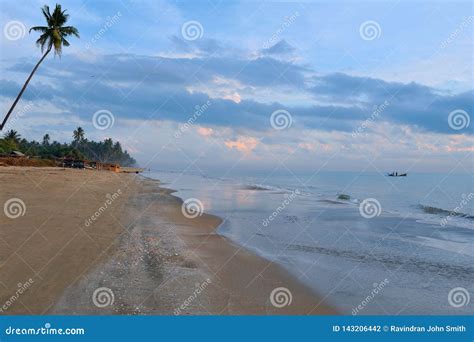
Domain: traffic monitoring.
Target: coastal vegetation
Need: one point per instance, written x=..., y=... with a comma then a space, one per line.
x=80, y=147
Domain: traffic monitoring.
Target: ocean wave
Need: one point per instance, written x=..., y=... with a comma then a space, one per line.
x=329, y=201
x=345, y=198
x=443, y=212
x=394, y=262
x=272, y=188
x=340, y=199
x=256, y=187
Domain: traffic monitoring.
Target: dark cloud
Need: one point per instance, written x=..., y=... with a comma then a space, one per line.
x=343, y=87
x=174, y=71
x=10, y=89
x=411, y=103
x=145, y=87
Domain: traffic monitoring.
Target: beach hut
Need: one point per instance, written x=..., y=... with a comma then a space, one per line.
x=112, y=167
x=16, y=154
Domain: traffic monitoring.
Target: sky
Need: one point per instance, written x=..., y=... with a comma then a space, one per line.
x=253, y=85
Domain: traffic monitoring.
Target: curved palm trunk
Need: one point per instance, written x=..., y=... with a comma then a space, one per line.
x=23, y=89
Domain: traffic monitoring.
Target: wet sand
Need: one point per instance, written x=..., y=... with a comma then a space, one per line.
x=141, y=255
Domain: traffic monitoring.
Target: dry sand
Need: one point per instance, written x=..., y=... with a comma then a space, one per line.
x=139, y=256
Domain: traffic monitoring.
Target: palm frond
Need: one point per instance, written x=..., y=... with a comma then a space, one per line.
x=64, y=16
x=59, y=17
x=44, y=40
x=47, y=14
x=69, y=30
x=39, y=28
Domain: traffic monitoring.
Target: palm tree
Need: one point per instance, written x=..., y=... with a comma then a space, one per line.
x=52, y=36
x=12, y=135
x=46, y=140
x=78, y=135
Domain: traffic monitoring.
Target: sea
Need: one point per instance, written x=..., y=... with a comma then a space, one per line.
x=366, y=243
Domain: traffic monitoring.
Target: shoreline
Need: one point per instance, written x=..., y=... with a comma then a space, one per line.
x=160, y=263
x=182, y=266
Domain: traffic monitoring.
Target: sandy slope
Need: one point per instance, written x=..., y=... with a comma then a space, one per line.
x=140, y=256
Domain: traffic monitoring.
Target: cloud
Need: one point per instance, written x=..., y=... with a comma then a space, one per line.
x=166, y=88
x=205, y=131
x=242, y=144
x=200, y=47
x=280, y=48
x=264, y=71
x=10, y=89
x=407, y=103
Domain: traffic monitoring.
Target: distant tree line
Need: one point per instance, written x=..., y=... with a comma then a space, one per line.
x=106, y=151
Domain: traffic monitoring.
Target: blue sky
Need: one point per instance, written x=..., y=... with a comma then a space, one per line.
x=357, y=99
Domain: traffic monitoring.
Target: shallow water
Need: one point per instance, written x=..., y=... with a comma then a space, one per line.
x=419, y=254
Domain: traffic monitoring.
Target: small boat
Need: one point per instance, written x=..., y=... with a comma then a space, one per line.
x=395, y=174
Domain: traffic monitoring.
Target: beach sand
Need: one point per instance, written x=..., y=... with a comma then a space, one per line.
x=139, y=255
